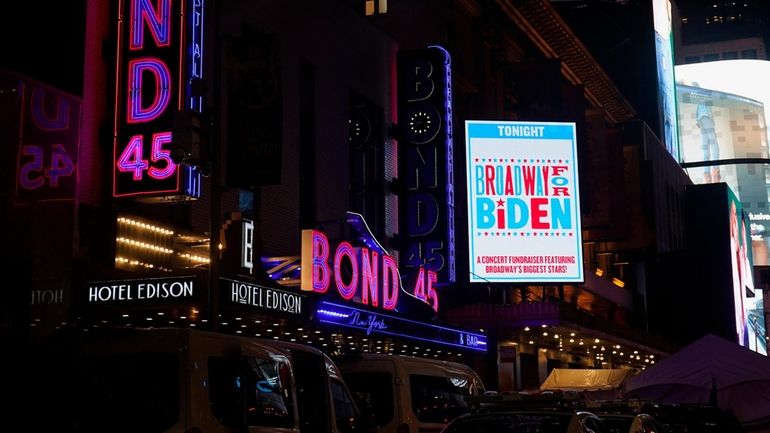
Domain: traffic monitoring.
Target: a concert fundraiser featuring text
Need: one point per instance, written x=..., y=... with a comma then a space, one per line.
x=523, y=202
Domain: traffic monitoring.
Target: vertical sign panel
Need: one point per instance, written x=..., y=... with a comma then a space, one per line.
x=523, y=202
x=49, y=143
x=255, y=109
x=159, y=57
x=425, y=161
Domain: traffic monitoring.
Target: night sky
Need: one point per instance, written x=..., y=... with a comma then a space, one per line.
x=44, y=41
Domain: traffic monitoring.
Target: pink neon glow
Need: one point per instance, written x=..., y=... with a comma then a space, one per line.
x=369, y=277
x=131, y=158
x=432, y=296
x=391, y=283
x=180, y=92
x=419, y=285
x=158, y=21
x=160, y=154
x=321, y=271
x=162, y=80
x=116, y=97
x=347, y=291
x=61, y=116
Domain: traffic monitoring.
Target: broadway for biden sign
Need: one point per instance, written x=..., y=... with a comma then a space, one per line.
x=523, y=202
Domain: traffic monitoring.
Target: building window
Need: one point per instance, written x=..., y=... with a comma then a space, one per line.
x=710, y=57
x=692, y=59
x=372, y=7
x=749, y=54
x=730, y=55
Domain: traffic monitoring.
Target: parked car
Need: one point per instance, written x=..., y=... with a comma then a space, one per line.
x=695, y=418
x=173, y=380
x=675, y=418
x=631, y=422
x=409, y=394
x=527, y=421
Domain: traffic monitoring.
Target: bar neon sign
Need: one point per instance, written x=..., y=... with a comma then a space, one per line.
x=377, y=323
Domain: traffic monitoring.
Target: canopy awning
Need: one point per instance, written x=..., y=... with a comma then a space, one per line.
x=584, y=379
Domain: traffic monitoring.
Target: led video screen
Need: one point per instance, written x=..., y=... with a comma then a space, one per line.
x=722, y=113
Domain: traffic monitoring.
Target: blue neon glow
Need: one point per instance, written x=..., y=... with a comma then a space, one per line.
x=158, y=21
x=371, y=322
x=365, y=235
x=195, y=53
x=450, y=200
x=193, y=181
x=332, y=313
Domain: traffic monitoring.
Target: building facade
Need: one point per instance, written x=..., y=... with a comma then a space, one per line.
x=295, y=171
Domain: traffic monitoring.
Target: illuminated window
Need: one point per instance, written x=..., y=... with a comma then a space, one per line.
x=372, y=7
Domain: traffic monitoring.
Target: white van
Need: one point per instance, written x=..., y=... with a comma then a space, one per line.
x=169, y=380
x=407, y=394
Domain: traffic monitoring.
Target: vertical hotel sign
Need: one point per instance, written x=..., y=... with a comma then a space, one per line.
x=159, y=54
x=523, y=202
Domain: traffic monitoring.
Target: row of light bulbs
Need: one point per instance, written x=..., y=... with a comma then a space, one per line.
x=145, y=226
x=600, y=355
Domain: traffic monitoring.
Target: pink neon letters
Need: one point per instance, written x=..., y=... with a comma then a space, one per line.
x=359, y=274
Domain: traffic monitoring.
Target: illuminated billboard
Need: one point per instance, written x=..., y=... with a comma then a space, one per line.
x=748, y=300
x=722, y=109
x=523, y=202
x=661, y=11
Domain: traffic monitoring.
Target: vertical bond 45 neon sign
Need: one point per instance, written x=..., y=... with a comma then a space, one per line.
x=158, y=53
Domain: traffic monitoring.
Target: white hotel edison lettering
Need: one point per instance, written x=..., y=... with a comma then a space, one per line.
x=265, y=297
x=129, y=291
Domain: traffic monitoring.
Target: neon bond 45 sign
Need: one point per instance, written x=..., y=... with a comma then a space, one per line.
x=359, y=274
x=152, y=68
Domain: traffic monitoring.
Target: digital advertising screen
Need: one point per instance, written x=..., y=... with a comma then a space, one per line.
x=748, y=300
x=523, y=202
x=664, y=49
x=722, y=112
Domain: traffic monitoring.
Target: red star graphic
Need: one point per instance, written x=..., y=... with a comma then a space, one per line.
x=500, y=203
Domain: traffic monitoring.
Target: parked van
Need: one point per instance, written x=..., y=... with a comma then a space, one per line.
x=408, y=394
x=186, y=381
